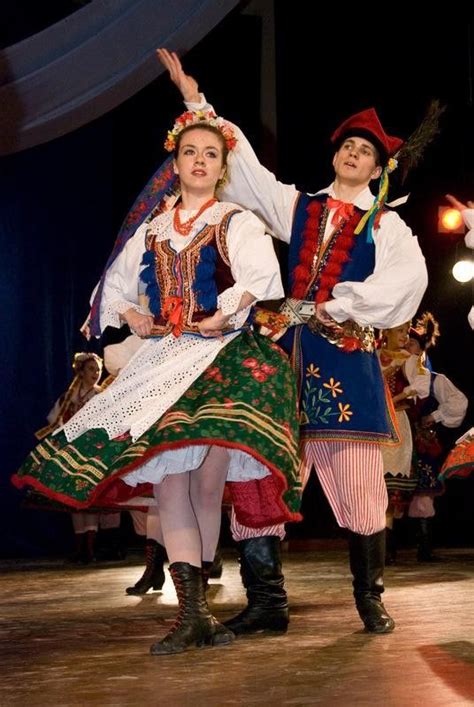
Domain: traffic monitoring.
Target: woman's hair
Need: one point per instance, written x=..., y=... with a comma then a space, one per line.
x=81, y=358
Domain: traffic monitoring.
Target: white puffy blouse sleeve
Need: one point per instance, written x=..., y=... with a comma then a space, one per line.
x=418, y=377
x=452, y=403
x=468, y=217
x=253, y=186
x=391, y=295
x=253, y=264
x=120, y=291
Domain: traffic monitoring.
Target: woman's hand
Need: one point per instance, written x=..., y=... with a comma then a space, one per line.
x=186, y=84
x=139, y=323
x=401, y=396
x=455, y=203
x=213, y=327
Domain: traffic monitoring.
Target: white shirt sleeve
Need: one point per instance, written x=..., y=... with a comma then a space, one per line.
x=120, y=291
x=452, y=403
x=253, y=264
x=419, y=378
x=468, y=217
x=391, y=295
x=253, y=186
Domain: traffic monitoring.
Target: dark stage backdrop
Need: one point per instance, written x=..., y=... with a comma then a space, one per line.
x=61, y=205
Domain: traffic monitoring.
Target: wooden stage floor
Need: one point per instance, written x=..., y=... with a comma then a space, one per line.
x=72, y=637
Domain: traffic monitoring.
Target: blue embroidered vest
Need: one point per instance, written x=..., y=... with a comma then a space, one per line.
x=343, y=257
x=342, y=395
x=194, y=277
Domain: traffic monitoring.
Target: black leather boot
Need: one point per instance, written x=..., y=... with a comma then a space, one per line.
x=218, y=565
x=90, y=547
x=260, y=569
x=367, y=555
x=390, y=547
x=206, y=574
x=154, y=574
x=80, y=553
x=212, y=570
x=195, y=626
x=425, y=541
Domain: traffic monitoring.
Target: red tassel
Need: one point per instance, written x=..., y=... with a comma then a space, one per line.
x=329, y=281
x=332, y=269
x=350, y=343
x=344, y=243
x=314, y=208
x=322, y=295
x=340, y=255
x=306, y=257
x=312, y=224
x=302, y=272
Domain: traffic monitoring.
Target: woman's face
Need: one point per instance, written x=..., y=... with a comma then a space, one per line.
x=199, y=162
x=397, y=337
x=90, y=373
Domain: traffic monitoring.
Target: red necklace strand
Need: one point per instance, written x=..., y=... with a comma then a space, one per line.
x=185, y=228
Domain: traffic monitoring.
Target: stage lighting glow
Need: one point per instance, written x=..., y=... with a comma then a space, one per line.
x=463, y=271
x=451, y=219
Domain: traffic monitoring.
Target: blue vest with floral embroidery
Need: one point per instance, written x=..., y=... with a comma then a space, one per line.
x=342, y=394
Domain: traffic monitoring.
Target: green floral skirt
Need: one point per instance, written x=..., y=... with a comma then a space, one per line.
x=245, y=400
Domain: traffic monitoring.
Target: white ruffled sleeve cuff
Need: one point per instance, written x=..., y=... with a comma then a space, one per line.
x=111, y=314
x=228, y=302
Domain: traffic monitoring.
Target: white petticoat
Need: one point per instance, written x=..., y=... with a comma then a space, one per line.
x=242, y=466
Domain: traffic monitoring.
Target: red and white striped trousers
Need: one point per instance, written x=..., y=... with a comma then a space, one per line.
x=351, y=474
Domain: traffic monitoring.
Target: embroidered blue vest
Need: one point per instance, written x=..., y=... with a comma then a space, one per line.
x=342, y=395
x=361, y=254
x=195, y=276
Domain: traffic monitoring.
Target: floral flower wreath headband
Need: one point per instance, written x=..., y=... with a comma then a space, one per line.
x=189, y=119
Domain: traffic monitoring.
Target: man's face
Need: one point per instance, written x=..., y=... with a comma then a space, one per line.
x=414, y=346
x=355, y=163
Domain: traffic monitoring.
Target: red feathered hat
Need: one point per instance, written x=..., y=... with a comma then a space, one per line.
x=367, y=124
